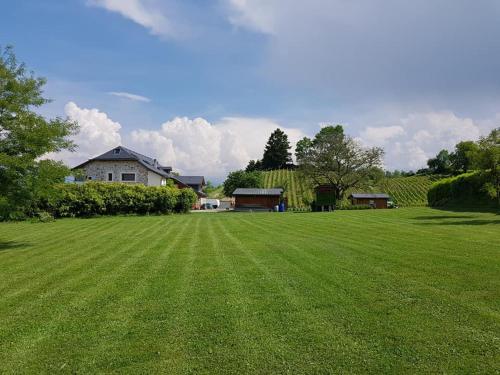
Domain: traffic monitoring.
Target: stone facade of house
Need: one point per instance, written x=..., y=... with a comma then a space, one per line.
x=99, y=170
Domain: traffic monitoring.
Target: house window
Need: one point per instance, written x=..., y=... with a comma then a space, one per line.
x=128, y=177
x=110, y=176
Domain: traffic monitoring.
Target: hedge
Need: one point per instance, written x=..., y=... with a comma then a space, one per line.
x=98, y=198
x=467, y=189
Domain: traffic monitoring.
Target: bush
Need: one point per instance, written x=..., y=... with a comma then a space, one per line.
x=97, y=198
x=466, y=189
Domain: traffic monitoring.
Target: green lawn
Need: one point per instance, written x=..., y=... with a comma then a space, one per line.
x=380, y=291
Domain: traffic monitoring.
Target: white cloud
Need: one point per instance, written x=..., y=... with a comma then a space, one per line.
x=257, y=15
x=195, y=146
x=190, y=146
x=97, y=134
x=420, y=136
x=378, y=136
x=141, y=12
x=130, y=96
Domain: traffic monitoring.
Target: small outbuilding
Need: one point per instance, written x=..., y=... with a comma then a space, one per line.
x=256, y=199
x=324, y=198
x=373, y=200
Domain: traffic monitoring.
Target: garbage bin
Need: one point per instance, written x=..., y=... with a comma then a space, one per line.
x=282, y=207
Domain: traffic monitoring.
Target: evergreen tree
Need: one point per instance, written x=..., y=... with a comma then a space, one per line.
x=276, y=153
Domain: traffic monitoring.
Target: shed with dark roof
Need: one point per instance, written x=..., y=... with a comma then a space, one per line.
x=367, y=199
x=257, y=199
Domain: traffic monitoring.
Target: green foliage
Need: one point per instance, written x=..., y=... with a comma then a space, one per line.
x=276, y=152
x=336, y=159
x=464, y=156
x=406, y=191
x=468, y=189
x=242, y=179
x=254, y=165
x=25, y=137
x=441, y=164
x=98, y=198
x=213, y=191
x=488, y=159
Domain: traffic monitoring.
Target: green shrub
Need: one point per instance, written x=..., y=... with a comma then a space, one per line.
x=466, y=189
x=97, y=198
x=43, y=217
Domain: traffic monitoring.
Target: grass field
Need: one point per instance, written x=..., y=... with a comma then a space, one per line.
x=380, y=291
x=405, y=191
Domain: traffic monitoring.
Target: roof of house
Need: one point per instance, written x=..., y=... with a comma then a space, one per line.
x=369, y=196
x=242, y=191
x=121, y=153
x=191, y=180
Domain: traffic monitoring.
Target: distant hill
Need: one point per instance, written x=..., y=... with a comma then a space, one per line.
x=405, y=191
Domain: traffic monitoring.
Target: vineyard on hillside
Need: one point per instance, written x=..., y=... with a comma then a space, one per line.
x=296, y=190
x=405, y=191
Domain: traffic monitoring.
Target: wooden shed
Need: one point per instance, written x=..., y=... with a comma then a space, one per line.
x=374, y=200
x=324, y=198
x=256, y=199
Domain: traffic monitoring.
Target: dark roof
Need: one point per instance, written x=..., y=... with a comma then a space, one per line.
x=369, y=196
x=121, y=153
x=191, y=180
x=241, y=191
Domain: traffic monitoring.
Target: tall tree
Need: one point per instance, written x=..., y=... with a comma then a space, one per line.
x=336, y=159
x=441, y=164
x=462, y=159
x=276, y=153
x=254, y=165
x=488, y=158
x=25, y=136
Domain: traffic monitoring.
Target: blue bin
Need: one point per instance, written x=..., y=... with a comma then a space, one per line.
x=282, y=207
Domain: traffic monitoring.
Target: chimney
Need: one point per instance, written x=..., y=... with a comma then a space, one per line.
x=155, y=163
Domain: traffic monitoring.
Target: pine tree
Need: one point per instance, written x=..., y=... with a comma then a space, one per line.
x=276, y=153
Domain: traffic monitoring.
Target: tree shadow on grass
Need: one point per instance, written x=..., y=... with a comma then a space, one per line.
x=470, y=208
x=463, y=222
x=441, y=217
x=12, y=245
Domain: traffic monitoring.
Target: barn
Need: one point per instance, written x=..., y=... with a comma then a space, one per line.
x=256, y=199
x=374, y=200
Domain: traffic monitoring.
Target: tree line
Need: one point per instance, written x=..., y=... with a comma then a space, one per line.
x=331, y=157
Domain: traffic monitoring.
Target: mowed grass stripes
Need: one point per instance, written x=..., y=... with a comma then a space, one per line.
x=381, y=291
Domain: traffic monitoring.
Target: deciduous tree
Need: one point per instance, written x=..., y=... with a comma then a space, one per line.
x=334, y=158
x=242, y=179
x=26, y=136
x=488, y=158
x=462, y=159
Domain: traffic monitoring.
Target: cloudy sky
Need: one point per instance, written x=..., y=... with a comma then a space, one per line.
x=200, y=85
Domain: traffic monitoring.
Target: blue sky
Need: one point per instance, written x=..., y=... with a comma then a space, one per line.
x=190, y=80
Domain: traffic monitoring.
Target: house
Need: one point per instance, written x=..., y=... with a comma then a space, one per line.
x=257, y=199
x=121, y=164
x=373, y=200
x=197, y=183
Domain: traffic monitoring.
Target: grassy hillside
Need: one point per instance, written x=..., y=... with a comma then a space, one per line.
x=406, y=191
x=377, y=291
